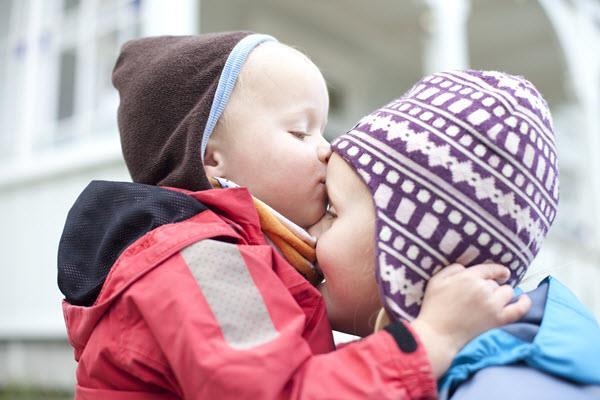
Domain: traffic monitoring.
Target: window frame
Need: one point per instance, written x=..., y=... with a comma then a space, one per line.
x=47, y=30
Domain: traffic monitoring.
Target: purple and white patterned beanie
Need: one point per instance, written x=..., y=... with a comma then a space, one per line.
x=462, y=168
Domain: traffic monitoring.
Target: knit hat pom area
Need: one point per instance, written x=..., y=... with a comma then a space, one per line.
x=462, y=168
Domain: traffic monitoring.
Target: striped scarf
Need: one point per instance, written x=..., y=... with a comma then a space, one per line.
x=292, y=242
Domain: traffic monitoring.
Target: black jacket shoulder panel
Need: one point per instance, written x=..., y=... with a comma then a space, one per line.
x=106, y=218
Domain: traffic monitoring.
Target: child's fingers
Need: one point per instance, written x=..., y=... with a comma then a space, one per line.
x=516, y=310
x=492, y=284
x=504, y=294
x=450, y=270
x=496, y=272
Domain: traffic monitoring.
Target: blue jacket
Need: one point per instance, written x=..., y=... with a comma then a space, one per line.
x=554, y=349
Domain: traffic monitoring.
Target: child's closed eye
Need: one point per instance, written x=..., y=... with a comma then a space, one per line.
x=330, y=211
x=299, y=135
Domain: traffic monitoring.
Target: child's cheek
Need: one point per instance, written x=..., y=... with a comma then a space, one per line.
x=335, y=264
x=324, y=257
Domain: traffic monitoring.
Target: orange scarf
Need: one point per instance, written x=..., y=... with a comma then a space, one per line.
x=293, y=242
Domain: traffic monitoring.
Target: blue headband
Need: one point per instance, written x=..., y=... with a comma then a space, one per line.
x=227, y=80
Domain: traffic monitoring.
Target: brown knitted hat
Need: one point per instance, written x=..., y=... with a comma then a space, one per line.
x=167, y=85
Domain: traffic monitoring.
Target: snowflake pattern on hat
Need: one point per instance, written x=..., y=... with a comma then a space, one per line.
x=462, y=168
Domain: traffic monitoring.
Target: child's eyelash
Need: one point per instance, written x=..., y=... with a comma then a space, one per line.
x=299, y=135
x=331, y=211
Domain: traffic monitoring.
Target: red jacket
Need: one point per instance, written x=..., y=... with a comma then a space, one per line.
x=203, y=308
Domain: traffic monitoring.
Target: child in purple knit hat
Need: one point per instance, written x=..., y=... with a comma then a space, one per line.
x=461, y=169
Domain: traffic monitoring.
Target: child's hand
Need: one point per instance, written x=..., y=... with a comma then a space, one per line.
x=461, y=303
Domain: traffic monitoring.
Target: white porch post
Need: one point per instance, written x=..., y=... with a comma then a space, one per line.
x=579, y=37
x=446, y=46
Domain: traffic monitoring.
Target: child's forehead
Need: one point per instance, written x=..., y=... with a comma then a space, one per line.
x=285, y=81
x=274, y=51
x=273, y=62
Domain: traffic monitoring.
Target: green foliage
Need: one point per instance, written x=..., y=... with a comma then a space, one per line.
x=26, y=393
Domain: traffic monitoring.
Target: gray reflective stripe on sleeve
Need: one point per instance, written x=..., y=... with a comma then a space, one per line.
x=230, y=292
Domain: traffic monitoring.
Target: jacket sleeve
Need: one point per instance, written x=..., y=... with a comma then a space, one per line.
x=372, y=368
x=230, y=329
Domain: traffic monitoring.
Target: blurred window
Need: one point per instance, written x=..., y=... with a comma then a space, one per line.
x=5, y=13
x=66, y=91
x=70, y=5
x=56, y=60
x=58, y=107
x=88, y=39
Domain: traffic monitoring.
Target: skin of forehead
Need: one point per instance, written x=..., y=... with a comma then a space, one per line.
x=273, y=63
x=268, y=67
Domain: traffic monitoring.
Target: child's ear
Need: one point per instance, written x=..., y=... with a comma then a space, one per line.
x=214, y=162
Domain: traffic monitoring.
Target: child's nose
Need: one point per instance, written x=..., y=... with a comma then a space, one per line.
x=324, y=152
